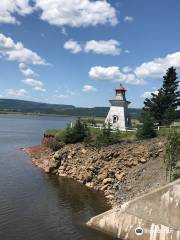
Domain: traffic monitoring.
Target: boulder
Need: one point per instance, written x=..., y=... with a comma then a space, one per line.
x=107, y=180
x=120, y=176
x=90, y=184
x=129, y=164
x=104, y=187
x=83, y=151
x=57, y=155
x=103, y=175
x=142, y=160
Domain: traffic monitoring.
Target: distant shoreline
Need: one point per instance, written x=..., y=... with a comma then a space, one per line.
x=44, y=114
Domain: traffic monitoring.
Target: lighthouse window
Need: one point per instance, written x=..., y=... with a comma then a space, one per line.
x=115, y=119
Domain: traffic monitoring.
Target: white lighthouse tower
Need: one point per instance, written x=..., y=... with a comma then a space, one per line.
x=118, y=115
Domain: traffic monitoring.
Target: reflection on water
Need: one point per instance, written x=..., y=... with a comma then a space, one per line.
x=33, y=205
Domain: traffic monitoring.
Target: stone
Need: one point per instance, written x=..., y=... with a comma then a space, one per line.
x=107, y=180
x=86, y=176
x=135, y=163
x=109, y=196
x=129, y=188
x=91, y=168
x=142, y=160
x=83, y=151
x=90, y=184
x=104, y=187
x=57, y=155
x=120, y=176
x=61, y=168
x=116, y=154
x=103, y=175
x=129, y=164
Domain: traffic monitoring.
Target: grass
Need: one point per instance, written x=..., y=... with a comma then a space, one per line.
x=52, y=132
x=163, y=132
x=94, y=133
x=98, y=120
x=36, y=155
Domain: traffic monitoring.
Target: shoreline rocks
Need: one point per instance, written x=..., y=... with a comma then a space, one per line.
x=121, y=171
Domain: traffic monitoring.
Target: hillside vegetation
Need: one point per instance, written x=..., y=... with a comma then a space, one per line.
x=21, y=106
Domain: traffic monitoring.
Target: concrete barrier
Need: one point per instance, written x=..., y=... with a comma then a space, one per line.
x=154, y=216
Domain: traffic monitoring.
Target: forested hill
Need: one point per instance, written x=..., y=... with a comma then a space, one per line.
x=21, y=106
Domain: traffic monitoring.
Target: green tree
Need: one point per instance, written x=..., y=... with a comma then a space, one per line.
x=146, y=130
x=172, y=153
x=76, y=133
x=79, y=131
x=162, y=106
x=107, y=137
x=68, y=135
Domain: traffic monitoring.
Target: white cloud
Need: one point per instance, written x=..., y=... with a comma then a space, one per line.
x=15, y=92
x=26, y=71
x=74, y=13
x=10, y=8
x=148, y=94
x=73, y=46
x=113, y=73
x=110, y=47
x=158, y=66
x=153, y=69
x=17, y=52
x=129, y=19
x=126, y=69
x=89, y=88
x=77, y=13
x=64, y=31
x=37, y=85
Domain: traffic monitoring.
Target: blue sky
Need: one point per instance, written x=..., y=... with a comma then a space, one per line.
x=77, y=51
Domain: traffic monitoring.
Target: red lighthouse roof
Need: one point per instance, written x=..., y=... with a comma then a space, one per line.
x=120, y=88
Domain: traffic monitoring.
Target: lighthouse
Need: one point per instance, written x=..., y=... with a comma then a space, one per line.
x=118, y=116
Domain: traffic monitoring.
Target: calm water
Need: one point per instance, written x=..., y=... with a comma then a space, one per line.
x=33, y=205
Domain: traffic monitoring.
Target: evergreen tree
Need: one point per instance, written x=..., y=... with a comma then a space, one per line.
x=162, y=106
x=146, y=130
x=79, y=131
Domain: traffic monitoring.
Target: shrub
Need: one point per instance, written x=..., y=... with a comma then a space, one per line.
x=146, y=130
x=107, y=137
x=75, y=134
x=55, y=146
x=59, y=135
x=176, y=175
x=172, y=154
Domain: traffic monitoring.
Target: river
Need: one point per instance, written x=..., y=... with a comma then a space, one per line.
x=33, y=205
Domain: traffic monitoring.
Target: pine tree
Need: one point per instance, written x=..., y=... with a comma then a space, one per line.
x=146, y=130
x=162, y=106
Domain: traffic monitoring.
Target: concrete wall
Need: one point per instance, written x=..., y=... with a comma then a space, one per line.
x=156, y=216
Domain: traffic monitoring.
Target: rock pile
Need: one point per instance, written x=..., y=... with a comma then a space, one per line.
x=115, y=170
